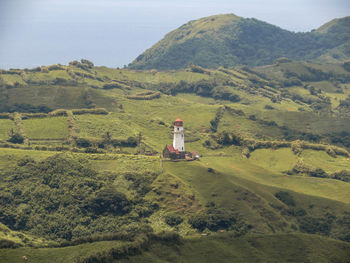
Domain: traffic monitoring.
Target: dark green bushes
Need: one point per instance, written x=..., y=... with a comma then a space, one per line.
x=103, y=142
x=173, y=219
x=25, y=108
x=342, y=175
x=108, y=201
x=285, y=197
x=346, y=65
x=83, y=64
x=16, y=138
x=213, y=219
x=63, y=199
x=145, y=96
x=225, y=139
x=55, y=67
x=141, y=183
x=318, y=172
x=215, y=122
x=4, y=243
x=98, y=111
x=313, y=225
x=5, y=116
x=113, y=85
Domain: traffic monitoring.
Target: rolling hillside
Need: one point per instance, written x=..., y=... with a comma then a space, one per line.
x=228, y=40
x=81, y=179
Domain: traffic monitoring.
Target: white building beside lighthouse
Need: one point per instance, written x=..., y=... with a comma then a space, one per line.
x=179, y=136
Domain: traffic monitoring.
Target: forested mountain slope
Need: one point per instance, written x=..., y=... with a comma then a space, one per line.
x=229, y=40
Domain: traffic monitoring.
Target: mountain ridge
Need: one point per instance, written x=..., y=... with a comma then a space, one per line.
x=228, y=40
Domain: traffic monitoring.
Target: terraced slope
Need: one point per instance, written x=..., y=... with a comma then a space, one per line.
x=274, y=170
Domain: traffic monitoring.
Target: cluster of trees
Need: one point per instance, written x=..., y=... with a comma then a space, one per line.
x=301, y=168
x=214, y=88
x=145, y=96
x=173, y=219
x=214, y=219
x=23, y=107
x=214, y=123
x=63, y=198
x=83, y=64
x=344, y=105
x=105, y=142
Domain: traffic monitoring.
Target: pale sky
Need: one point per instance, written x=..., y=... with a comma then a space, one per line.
x=114, y=32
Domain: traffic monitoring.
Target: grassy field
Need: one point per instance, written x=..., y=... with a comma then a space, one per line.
x=5, y=128
x=46, y=128
x=65, y=254
x=247, y=170
x=324, y=161
x=216, y=248
x=276, y=160
x=98, y=125
x=255, y=248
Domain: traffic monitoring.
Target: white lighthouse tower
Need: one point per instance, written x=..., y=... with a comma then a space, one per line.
x=179, y=139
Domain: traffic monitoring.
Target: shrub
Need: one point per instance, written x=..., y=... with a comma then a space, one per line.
x=25, y=161
x=26, y=108
x=342, y=175
x=313, y=225
x=346, y=65
x=196, y=69
x=86, y=62
x=101, y=111
x=213, y=219
x=211, y=170
x=112, y=85
x=16, y=138
x=225, y=138
x=4, y=116
x=58, y=112
x=83, y=142
x=252, y=117
x=4, y=243
x=145, y=96
x=173, y=219
x=55, y=67
x=268, y=107
x=92, y=150
x=318, y=172
x=108, y=200
x=285, y=197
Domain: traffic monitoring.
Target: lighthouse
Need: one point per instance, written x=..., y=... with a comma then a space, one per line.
x=179, y=139
x=177, y=150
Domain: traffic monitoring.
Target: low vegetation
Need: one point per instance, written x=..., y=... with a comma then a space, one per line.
x=62, y=198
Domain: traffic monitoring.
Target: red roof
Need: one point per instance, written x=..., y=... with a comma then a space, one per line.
x=178, y=119
x=172, y=149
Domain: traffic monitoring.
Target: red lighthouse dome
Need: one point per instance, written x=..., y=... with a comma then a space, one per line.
x=178, y=122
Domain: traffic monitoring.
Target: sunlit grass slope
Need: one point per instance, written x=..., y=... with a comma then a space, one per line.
x=255, y=248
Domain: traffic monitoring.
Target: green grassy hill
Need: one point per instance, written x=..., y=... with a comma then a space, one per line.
x=267, y=248
x=81, y=178
x=217, y=248
x=228, y=40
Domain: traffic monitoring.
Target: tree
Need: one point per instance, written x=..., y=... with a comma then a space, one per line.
x=15, y=137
